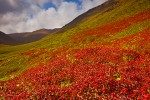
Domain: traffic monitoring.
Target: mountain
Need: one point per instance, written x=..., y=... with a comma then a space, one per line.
x=102, y=54
x=5, y=39
x=89, y=13
x=28, y=37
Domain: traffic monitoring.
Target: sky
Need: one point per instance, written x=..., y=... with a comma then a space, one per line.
x=29, y=15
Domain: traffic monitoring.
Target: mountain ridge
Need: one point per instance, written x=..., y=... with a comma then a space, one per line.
x=88, y=13
x=5, y=39
x=27, y=37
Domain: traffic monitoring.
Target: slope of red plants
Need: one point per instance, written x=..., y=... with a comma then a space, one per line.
x=117, y=70
x=139, y=41
x=113, y=28
x=90, y=73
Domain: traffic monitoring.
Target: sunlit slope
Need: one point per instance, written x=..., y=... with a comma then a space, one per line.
x=102, y=54
x=116, y=21
x=123, y=24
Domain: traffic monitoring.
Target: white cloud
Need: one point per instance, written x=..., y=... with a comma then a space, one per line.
x=41, y=18
x=13, y=3
x=57, y=2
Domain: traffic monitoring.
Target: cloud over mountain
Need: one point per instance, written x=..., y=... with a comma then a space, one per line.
x=30, y=15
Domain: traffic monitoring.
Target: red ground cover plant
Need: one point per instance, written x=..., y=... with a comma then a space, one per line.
x=112, y=28
x=35, y=52
x=101, y=71
x=90, y=73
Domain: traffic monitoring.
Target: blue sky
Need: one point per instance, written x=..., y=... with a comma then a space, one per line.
x=77, y=1
x=30, y=15
x=48, y=5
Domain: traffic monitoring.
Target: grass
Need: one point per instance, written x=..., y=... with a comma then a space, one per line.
x=129, y=31
x=120, y=12
x=12, y=63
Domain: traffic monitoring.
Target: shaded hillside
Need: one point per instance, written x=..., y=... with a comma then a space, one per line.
x=5, y=39
x=105, y=55
x=103, y=7
x=32, y=36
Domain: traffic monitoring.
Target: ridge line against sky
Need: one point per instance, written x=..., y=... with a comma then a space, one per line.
x=30, y=15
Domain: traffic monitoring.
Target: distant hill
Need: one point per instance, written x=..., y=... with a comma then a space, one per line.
x=28, y=37
x=5, y=39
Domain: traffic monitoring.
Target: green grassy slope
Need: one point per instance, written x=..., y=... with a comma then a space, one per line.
x=13, y=61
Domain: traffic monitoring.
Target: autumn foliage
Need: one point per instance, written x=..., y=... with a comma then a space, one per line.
x=89, y=73
x=116, y=70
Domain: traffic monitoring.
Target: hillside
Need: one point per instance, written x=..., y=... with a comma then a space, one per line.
x=31, y=36
x=102, y=54
x=89, y=13
x=5, y=39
